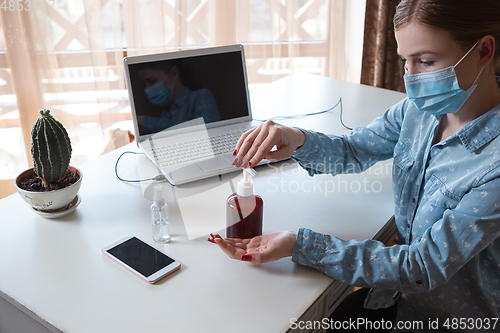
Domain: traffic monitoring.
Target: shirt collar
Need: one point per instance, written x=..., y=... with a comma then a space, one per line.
x=481, y=130
x=182, y=97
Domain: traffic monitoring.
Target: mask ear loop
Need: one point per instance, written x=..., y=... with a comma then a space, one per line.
x=472, y=48
x=477, y=77
x=173, y=84
x=166, y=77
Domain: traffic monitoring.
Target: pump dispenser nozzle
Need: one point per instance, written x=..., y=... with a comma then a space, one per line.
x=245, y=186
x=158, y=193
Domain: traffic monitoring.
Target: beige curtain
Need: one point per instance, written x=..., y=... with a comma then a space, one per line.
x=74, y=84
x=68, y=57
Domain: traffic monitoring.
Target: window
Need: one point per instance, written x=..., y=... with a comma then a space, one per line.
x=76, y=47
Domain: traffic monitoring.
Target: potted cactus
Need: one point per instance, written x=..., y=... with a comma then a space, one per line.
x=51, y=185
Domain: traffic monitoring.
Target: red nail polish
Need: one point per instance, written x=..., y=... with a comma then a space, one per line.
x=211, y=240
x=235, y=152
x=246, y=257
x=249, y=163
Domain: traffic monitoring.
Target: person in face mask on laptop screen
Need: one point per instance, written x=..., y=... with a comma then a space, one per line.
x=172, y=87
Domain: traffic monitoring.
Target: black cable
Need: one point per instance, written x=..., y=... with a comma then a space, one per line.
x=310, y=114
x=157, y=178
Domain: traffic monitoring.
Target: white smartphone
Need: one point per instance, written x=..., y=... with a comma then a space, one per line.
x=141, y=258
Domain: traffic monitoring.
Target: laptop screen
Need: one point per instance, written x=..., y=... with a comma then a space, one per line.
x=172, y=91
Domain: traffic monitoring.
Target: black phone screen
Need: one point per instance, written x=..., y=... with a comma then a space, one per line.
x=142, y=257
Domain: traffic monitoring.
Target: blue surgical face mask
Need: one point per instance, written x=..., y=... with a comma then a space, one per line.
x=438, y=92
x=158, y=95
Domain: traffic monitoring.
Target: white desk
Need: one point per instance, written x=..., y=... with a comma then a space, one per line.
x=54, y=271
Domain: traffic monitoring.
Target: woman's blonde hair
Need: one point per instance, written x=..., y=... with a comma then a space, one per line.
x=467, y=21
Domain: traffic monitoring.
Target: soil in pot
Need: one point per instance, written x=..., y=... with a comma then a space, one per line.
x=34, y=183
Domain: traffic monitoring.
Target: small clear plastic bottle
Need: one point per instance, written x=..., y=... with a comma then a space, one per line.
x=159, y=217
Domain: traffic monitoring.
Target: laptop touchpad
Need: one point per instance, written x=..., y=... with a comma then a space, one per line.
x=222, y=162
x=190, y=171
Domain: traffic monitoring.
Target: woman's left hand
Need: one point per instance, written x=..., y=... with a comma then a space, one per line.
x=259, y=249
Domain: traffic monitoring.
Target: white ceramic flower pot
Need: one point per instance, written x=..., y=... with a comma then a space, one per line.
x=50, y=200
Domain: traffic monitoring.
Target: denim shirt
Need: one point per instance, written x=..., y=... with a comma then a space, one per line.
x=189, y=105
x=447, y=199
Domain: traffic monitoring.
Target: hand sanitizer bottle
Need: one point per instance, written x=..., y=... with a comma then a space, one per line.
x=159, y=217
x=244, y=209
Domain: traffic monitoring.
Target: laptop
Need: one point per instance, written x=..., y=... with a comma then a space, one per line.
x=189, y=108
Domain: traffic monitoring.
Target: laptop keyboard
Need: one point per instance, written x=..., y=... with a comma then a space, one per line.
x=196, y=149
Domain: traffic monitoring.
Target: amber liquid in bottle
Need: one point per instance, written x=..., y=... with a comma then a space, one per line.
x=244, y=216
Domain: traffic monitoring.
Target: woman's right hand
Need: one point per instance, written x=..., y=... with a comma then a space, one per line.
x=256, y=144
x=259, y=249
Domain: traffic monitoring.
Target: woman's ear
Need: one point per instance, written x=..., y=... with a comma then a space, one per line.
x=175, y=72
x=486, y=50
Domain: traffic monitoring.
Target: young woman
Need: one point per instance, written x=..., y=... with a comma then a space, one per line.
x=174, y=88
x=445, y=142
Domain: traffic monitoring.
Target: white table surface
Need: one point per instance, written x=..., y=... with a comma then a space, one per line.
x=54, y=270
